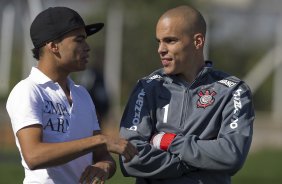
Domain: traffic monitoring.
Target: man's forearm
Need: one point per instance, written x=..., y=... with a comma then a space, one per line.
x=38, y=154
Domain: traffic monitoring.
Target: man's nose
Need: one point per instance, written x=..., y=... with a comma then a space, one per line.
x=162, y=48
x=87, y=47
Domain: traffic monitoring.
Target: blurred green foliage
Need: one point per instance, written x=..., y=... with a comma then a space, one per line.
x=139, y=48
x=261, y=167
x=239, y=61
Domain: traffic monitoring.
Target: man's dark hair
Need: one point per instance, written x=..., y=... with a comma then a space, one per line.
x=37, y=52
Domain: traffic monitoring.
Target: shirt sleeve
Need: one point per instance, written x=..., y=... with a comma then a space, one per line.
x=24, y=106
x=137, y=126
x=229, y=150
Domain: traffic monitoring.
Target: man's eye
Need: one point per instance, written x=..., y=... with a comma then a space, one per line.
x=79, y=40
x=171, y=41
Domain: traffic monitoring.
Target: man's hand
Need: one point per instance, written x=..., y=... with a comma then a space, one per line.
x=96, y=174
x=162, y=140
x=122, y=147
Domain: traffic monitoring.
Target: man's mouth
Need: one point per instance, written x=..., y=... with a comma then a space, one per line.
x=166, y=61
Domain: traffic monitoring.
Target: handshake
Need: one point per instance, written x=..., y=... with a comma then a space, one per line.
x=162, y=140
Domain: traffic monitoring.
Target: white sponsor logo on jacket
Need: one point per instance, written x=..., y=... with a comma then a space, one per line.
x=237, y=108
x=227, y=83
x=137, y=110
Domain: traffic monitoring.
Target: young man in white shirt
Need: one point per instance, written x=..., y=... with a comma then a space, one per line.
x=53, y=119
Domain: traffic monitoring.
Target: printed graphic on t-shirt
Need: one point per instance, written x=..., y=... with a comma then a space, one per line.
x=58, y=114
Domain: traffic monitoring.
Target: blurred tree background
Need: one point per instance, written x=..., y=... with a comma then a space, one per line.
x=235, y=52
x=240, y=34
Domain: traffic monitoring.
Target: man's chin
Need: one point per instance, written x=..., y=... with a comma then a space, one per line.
x=80, y=68
x=168, y=71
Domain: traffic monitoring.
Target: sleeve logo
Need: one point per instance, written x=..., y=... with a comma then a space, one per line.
x=153, y=78
x=227, y=83
x=237, y=108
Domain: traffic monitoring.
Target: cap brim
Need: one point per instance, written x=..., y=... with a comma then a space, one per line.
x=93, y=28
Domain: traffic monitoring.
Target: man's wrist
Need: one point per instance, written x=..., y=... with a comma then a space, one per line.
x=111, y=168
x=162, y=140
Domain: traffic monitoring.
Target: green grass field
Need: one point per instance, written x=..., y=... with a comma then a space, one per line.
x=262, y=167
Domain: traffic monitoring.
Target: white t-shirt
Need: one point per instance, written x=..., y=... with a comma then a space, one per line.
x=38, y=100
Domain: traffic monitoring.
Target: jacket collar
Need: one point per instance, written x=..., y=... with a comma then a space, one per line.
x=175, y=79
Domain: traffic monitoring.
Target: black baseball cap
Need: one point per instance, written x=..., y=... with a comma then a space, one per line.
x=55, y=22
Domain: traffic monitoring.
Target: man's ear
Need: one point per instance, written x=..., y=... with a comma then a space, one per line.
x=53, y=47
x=199, y=40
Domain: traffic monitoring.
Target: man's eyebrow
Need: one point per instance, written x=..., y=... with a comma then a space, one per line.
x=81, y=36
x=167, y=38
x=170, y=38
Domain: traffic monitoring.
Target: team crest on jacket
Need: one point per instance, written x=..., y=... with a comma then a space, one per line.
x=206, y=98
